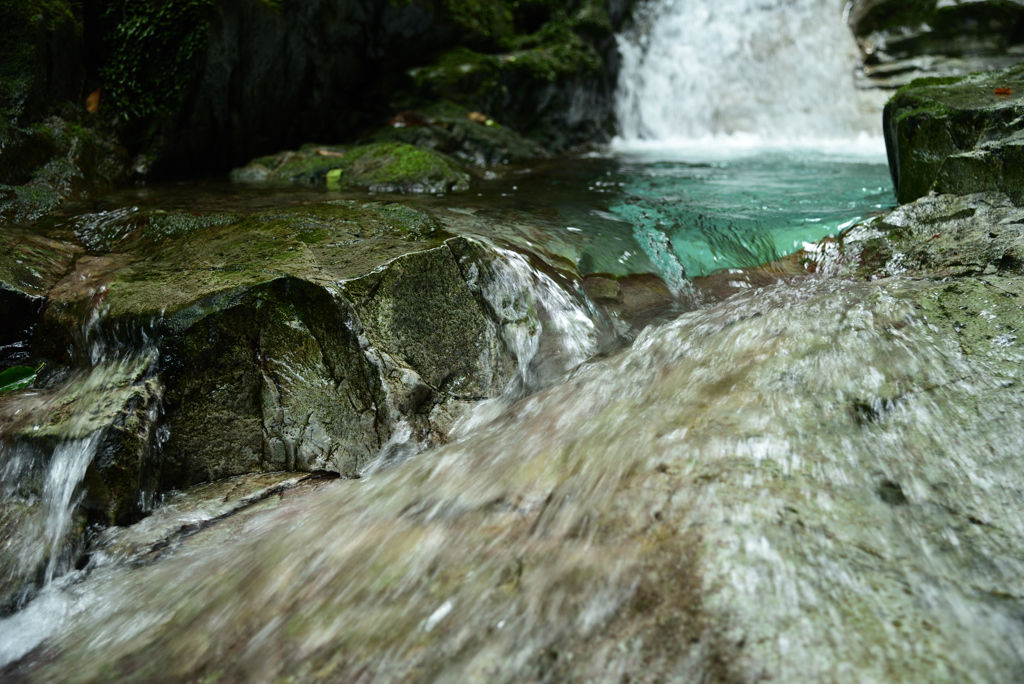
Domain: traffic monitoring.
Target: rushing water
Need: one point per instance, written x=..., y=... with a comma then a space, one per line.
x=817, y=480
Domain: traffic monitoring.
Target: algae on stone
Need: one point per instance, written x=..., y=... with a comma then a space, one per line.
x=956, y=135
x=378, y=167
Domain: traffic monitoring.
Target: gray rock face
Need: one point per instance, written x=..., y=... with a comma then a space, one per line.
x=314, y=60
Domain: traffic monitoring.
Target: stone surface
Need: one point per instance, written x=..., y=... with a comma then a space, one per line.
x=446, y=128
x=823, y=485
x=379, y=167
x=906, y=39
x=957, y=135
x=282, y=336
x=943, y=235
x=203, y=347
x=258, y=53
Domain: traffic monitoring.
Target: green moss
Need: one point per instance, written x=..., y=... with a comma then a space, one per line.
x=396, y=166
x=153, y=46
x=381, y=167
x=925, y=82
x=489, y=18
x=311, y=169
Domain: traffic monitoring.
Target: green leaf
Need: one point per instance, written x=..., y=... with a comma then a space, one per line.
x=17, y=377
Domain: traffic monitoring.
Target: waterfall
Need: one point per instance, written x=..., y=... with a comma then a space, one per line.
x=775, y=72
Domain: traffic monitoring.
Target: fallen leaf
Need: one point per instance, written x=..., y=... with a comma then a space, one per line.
x=1003, y=92
x=92, y=103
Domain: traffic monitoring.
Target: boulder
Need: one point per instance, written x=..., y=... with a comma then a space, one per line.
x=282, y=336
x=446, y=127
x=959, y=135
x=378, y=167
x=205, y=347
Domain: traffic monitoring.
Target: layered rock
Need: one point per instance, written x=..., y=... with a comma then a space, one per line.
x=902, y=40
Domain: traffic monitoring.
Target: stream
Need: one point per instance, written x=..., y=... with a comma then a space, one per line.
x=759, y=472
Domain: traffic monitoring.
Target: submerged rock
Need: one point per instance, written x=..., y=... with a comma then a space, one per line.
x=379, y=167
x=960, y=135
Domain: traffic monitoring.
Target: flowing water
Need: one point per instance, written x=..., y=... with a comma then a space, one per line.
x=814, y=480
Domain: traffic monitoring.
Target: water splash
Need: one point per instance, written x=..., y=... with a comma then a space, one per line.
x=548, y=331
x=742, y=74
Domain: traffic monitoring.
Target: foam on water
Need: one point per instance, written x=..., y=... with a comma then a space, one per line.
x=736, y=75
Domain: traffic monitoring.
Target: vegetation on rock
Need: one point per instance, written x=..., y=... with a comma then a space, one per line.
x=956, y=135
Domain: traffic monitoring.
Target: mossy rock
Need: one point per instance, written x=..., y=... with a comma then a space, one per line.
x=471, y=78
x=451, y=132
x=287, y=339
x=378, y=167
x=30, y=265
x=55, y=160
x=397, y=167
x=956, y=135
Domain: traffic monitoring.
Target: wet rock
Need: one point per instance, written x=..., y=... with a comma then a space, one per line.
x=903, y=40
x=287, y=340
x=726, y=537
x=941, y=235
x=957, y=135
x=79, y=455
x=29, y=266
x=379, y=167
x=181, y=514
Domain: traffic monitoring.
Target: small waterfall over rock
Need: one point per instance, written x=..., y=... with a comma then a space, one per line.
x=778, y=70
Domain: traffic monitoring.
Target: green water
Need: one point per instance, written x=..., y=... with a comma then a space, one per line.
x=694, y=218
x=671, y=213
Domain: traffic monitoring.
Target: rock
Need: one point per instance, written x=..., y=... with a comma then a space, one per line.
x=378, y=167
x=353, y=57
x=182, y=514
x=726, y=537
x=288, y=340
x=903, y=40
x=453, y=133
x=940, y=236
x=205, y=347
x=956, y=135
x=95, y=433
x=32, y=266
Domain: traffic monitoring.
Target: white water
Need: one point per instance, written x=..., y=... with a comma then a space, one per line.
x=721, y=75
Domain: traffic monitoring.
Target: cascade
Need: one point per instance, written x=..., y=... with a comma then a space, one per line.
x=779, y=71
